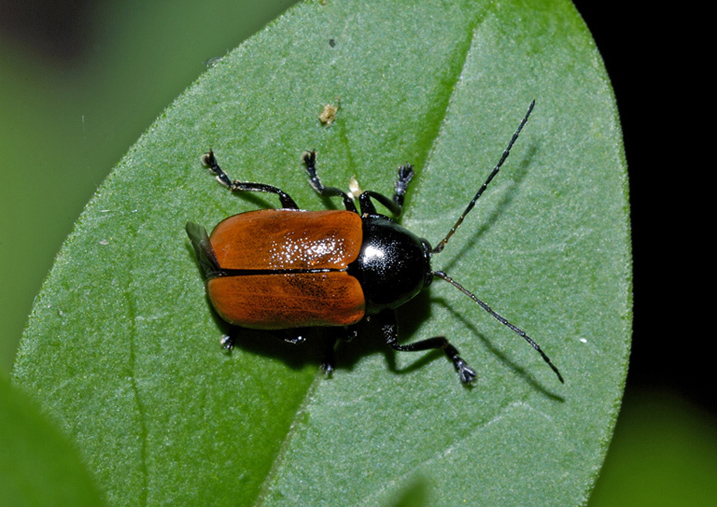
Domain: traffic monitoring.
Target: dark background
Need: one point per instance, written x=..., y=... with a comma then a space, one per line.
x=64, y=65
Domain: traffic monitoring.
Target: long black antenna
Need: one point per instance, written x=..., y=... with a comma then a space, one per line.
x=442, y=244
x=439, y=247
x=502, y=320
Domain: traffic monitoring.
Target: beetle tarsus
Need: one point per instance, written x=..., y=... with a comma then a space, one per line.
x=405, y=175
x=294, y=337
x=227, y=342
x=210, y=161
x=328, y=368
x=309, y=158
x=466, y=373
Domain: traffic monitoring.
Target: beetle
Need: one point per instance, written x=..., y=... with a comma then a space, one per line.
x=288, y=269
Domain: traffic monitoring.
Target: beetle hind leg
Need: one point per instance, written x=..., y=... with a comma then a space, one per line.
x=465, y=372
x=389, y=327
x=209, y=160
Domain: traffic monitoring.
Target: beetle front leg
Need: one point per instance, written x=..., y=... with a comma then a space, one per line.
x=209, y=160
x=387, y=320
x=395, y=205
x=405, y=175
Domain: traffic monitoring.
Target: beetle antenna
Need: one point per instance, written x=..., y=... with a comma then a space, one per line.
x=502, y=320
x=439, y=247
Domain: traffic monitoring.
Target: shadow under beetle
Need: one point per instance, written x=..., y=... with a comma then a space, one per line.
x=288, y=269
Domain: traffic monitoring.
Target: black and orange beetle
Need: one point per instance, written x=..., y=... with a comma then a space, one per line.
x=289, y=269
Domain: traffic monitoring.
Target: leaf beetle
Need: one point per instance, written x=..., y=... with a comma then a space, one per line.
x=289, y=269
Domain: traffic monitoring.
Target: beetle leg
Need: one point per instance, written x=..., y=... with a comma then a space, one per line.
x=405, y=175
x=328, y=362
x=309, y=158
x=351, y=332
x=395, y=205
x=227, y=342
x=209, y=160
x=387, y=319
x=348, y=333
x=293, y=336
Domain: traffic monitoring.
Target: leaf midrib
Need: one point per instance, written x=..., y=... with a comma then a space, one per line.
x=431, y=138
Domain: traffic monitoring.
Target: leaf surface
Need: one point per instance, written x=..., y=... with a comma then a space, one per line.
x=122, y=346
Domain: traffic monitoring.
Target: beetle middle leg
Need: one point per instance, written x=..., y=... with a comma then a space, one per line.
x=227, y=342
x=209, y=160
x=309, y=158
x=293, y=336
x=387, y=320
x=328, y=360
x=394, y=205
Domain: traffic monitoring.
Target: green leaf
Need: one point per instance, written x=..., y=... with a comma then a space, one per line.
x=38, y=466
x=123, y=349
